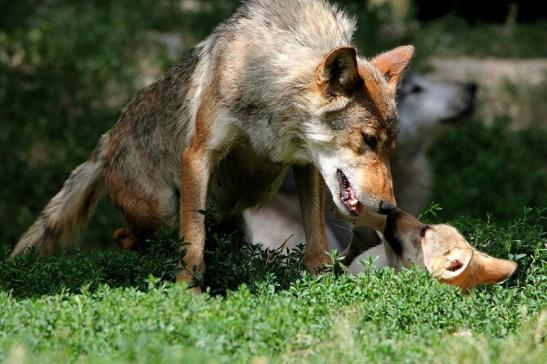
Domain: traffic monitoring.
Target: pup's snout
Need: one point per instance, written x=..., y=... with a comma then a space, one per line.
x=386, y=208
x=471, y=87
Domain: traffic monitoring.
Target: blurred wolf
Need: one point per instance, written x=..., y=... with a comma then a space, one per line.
x=277, y=85
x=427, y=107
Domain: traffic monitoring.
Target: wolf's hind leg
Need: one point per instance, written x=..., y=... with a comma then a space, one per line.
x=145, y=210
x=127, y=241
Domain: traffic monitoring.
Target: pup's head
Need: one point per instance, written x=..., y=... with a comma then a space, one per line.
x=353, y=129
x=425, y=105
x=442, y=250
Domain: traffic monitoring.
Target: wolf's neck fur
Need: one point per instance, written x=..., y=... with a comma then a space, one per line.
x=265, y=57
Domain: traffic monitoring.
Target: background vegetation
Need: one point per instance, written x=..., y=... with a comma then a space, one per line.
x=67, y=68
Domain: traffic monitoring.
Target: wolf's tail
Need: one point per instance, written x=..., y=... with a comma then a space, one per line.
x=70, y=208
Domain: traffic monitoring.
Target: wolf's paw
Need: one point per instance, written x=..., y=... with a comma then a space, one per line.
x=315, y=263
x=126, y=241
x=194, y=286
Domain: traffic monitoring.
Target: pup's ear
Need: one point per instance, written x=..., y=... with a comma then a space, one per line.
x=467, y=268
x=452, y=267
x=338, y=74
x=492, y=270
x=393, y=63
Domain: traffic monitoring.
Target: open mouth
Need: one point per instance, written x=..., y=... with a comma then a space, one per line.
x=348, y=196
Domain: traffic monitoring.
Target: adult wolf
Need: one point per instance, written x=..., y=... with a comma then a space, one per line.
x=277, y=85
x=427, y=108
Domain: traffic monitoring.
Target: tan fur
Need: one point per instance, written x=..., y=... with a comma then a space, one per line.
x=444, y=252
x=127, y=241
x=198, y=161
x=341, y=57
x=195, y=173
x=452, y=260
x=392, y=64
x=312, y=202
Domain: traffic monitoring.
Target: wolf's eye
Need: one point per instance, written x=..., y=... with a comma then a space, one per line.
x=370, y=140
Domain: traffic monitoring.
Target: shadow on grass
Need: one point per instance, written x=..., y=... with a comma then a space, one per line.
x=235, y=262
x=232, y=262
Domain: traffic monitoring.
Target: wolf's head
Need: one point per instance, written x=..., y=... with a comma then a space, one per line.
x=442, y=250
x=354, y=128
x=426, y=105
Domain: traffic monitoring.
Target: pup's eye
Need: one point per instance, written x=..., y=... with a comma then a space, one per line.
x=370, y=140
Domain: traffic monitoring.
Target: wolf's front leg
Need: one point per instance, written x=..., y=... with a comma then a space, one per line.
x=195, y=174
x=312, y=204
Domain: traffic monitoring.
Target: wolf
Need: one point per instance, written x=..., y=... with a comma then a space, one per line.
x=427, y=108
x=278, y=85
x=440, y=249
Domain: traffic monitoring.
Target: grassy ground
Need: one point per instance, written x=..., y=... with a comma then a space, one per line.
x=107, y=307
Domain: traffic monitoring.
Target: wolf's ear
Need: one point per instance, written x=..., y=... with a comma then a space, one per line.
x=338, y=74
x=392, y=64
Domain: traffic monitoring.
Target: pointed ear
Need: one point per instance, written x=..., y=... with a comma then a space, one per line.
x=492, y=270
x=452, y=267
x=467, y=268
x=392, y=64
x=338, y=74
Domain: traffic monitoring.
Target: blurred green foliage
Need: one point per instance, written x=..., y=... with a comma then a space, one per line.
x=452, y=36
x=490, y=169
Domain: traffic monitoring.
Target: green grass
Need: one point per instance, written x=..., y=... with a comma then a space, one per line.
x=107, y=307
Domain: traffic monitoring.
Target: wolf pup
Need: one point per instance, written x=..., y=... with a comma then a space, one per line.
x=277, y=85
x=441, y=249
